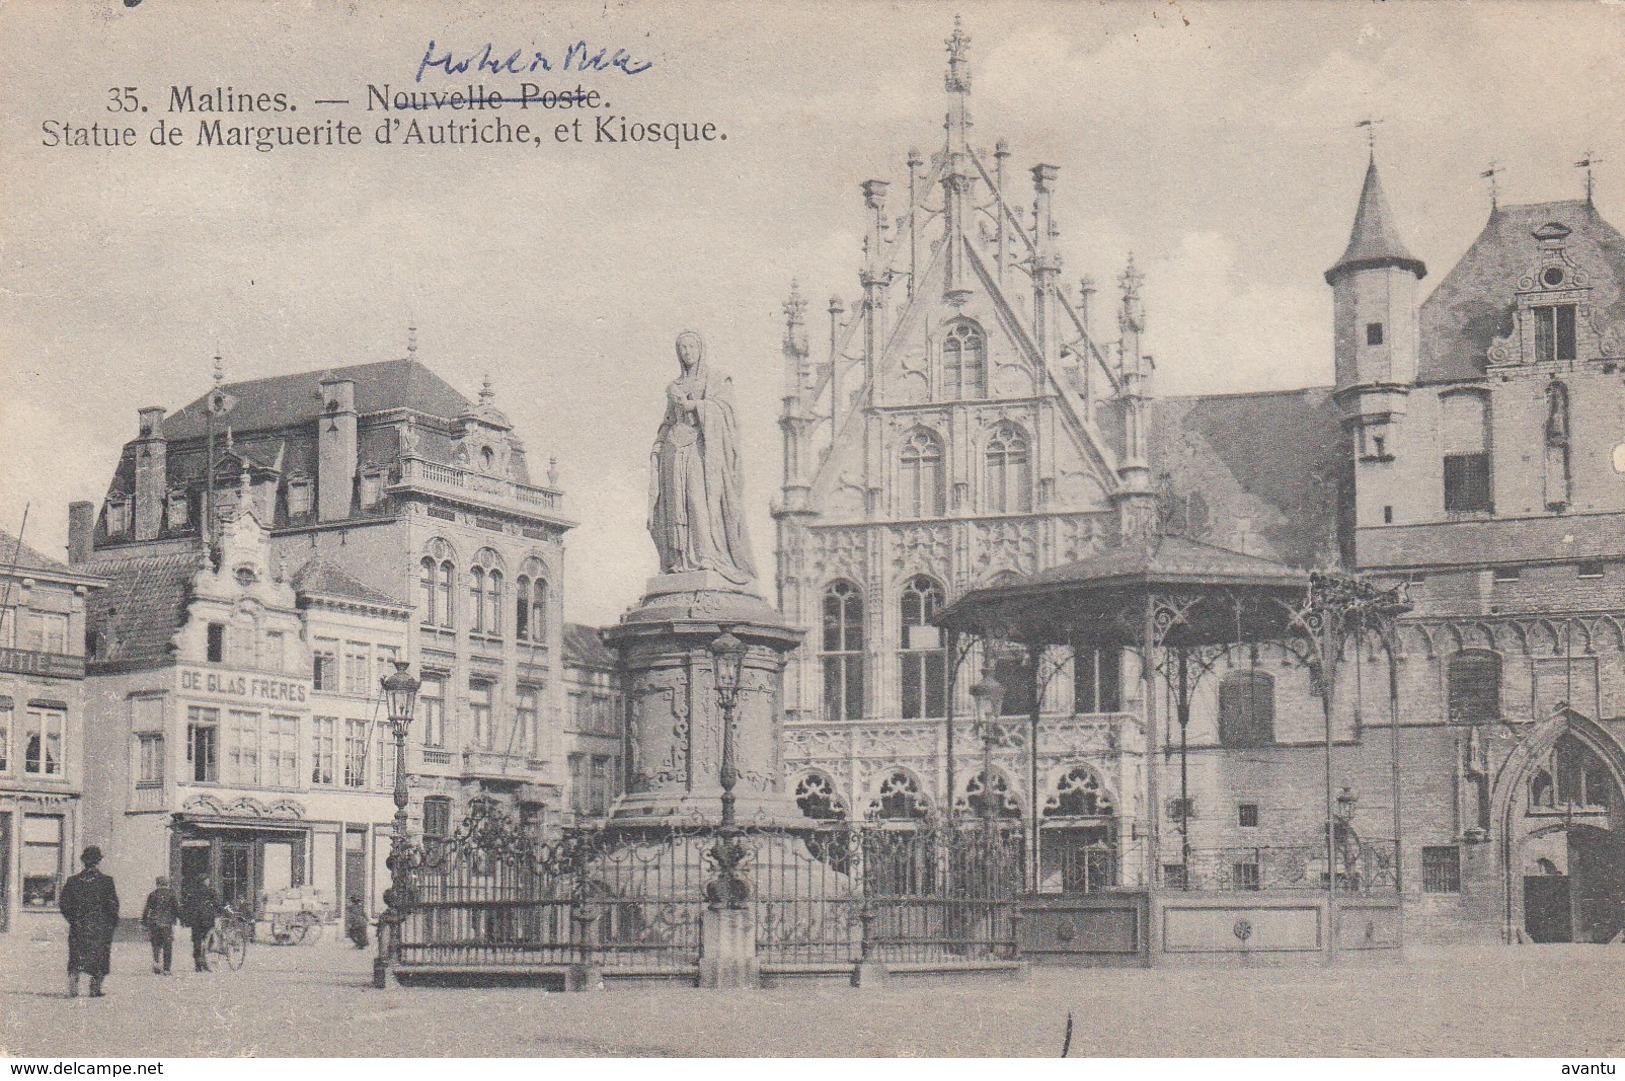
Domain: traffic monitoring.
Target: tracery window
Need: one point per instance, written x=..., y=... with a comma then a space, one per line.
x=983, y=794
x=1079, y=794
x=1009, y=471
x=964, y=362
x=843, y=652
x=816, y=796
x=924, y=667
x=900, y=800
x=920, y=476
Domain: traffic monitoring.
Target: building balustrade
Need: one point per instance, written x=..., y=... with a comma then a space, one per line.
x=434, y=476
x=148, y=797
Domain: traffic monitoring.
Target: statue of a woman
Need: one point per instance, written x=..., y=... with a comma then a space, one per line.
x=696, y=502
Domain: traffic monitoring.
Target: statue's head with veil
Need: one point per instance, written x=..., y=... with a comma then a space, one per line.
x=696, y=485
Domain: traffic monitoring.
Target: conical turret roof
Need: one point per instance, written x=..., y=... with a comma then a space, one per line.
x=1374, y=241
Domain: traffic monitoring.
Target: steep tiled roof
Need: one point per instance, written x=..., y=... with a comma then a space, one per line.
x=15, y=554
x=132, y=621
x=1474, y=303
x=584, y=649
x=329, y=580
x=293, y=399
x=1270, y=461
x=1374, y=240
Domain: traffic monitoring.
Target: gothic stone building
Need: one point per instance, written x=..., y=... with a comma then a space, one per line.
x=420, y=497
x=966, y=424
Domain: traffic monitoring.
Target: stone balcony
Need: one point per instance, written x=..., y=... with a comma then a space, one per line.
x=469, y=486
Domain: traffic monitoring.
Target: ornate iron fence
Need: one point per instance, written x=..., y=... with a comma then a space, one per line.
x=923, y=893
x=491, y=897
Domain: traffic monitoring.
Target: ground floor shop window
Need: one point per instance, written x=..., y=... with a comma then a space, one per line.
x=41, y=860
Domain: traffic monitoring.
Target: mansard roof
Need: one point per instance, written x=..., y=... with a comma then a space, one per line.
x=286, y=400
x=1374, y=240
x=1474, y=304
x=134, y=619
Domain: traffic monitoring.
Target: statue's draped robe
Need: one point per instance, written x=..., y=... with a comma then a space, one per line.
x=696, y=506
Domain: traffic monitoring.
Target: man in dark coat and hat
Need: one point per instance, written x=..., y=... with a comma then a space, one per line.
x=90, y=905
x=200, y=907
x=159, y=917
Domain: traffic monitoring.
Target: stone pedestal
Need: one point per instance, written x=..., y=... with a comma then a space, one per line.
x=675, y=754
x=728, y=950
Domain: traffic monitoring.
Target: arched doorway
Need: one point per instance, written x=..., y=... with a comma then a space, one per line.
x=1566, y=830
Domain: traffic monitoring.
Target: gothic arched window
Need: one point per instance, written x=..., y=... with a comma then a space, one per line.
x=448, y=581
x=816, y=796
x=493, y=592
x=900, y=799
x=1009, y=471
x=476, y=599
x=964, y=362
x=843, y=652
x=920, y=476
x=982, y=795
x=1079, y=794
x=924, y=665
x=1247, y=709
x=426, y=590
x=1474, y=677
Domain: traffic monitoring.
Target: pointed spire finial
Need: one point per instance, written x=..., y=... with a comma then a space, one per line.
x=1131, y=280
x=219, y=370
x=1370, y=125
x=958, y=79
x=1492, y=174
x=795, y=305
x=1587, y=160
x=488, y=390
x=411, y=342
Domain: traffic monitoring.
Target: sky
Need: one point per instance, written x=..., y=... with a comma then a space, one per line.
x=1217, y=142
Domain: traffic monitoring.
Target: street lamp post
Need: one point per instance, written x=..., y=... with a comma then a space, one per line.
x=400, y=695
x=988, y=694
x=727, y=668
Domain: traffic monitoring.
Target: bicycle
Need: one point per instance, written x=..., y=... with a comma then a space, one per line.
x=229, y=937
x=295, y=929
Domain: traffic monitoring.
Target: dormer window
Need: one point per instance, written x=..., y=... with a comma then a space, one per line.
x=118, y=515
x=1554, y=331
x=298, y=497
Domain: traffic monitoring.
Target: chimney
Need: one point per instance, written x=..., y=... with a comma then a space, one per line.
x=151, y=474
x=81, y=530
x=336, y=455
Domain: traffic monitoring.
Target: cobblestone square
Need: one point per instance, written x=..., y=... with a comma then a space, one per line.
x=316, y=1001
